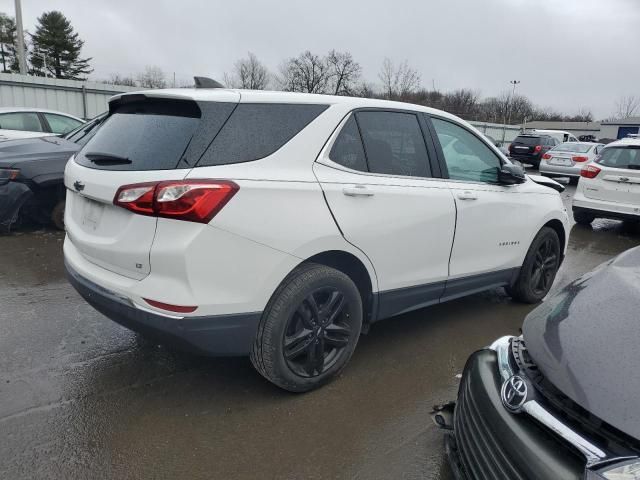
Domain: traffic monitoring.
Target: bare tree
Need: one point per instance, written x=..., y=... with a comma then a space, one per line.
x=117, y=79
x=344, y=72
x=152, y=77
x=307, y=73
x=627, y=106
x=248, y=73
x=463, y=102
x=398, y=82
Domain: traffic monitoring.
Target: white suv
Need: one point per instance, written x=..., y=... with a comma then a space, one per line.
x=281, y=225
x=609, y=187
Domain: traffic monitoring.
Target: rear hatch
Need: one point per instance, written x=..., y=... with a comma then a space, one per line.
x=619, y=179
x=144, y=139
x=524, y=145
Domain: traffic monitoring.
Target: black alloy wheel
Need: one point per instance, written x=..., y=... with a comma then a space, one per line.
x=317, y=333
x=544, y=266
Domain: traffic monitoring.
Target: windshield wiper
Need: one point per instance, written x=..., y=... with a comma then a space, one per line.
x=106, y=159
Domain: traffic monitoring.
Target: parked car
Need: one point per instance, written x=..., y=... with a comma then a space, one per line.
x=16, y=123
x=609, y=187
x=560, y=135
x=31, y=175
x=560, y=401
x=529, y=148
x=567, y=159
x=588, y=138
x=282, y=225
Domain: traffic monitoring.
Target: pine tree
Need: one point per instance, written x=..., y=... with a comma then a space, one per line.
x=56, y=44
x=8, y=48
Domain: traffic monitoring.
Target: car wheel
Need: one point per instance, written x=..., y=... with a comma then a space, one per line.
x=309, y=329
x=583, y=218
x=57, y=215
x=539, y=268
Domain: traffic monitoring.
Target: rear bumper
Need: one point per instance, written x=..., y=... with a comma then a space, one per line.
x=218, y=335
x=560, y=170
x=489, y=442
x=13, y=196
x=530, y=159
x=604, y=209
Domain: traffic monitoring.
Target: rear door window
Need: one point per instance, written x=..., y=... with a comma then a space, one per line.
x=23, y=121
x=60, y=124
x=255, y=131
x=394, y=144
x=348, y=150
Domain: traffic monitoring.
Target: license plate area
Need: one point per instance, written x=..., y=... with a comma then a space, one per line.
x=564, y=162
x=91, y=214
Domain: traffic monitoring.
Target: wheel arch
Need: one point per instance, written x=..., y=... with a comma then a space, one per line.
x=357, y=271
x=557, y=226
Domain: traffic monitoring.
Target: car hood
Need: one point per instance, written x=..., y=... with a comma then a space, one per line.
x=14, y=152
x=586, y=341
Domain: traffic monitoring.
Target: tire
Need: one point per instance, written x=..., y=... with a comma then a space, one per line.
x=583, y=218
x=291, y=312
x=57, y=215
x=539, y=268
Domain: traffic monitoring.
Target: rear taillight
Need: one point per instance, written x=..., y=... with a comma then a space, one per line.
x=537, y=148
x=189, y=200
x=546, y=156
x=580, y=159
x=510, y=146
x=8, y=174
x=590, y=171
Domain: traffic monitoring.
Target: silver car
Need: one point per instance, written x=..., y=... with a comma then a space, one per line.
x=567, y=159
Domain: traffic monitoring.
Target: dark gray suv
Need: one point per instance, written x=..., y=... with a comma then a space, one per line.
x=560, y=401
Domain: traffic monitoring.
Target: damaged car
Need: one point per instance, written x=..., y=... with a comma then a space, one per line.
x=561, y=400
x=31, y=176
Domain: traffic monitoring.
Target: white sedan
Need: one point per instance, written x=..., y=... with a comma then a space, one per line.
x=609, y=187
x=567, y=159
x=16, y=122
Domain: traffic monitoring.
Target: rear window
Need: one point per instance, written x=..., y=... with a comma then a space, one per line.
x=572, y=147
x=153, y=135
x=621, y=157
x=527, y=140
x=255, y=131
x=168, y=134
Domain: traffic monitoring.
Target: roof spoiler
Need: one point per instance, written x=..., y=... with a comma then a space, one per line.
x=206, y=82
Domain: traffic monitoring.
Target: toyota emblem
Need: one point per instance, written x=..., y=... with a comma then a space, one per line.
x=514, y=393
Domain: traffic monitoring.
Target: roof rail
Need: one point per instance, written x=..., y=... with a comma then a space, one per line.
x=206, y=82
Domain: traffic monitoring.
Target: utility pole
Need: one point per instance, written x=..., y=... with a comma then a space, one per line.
x=22, y=61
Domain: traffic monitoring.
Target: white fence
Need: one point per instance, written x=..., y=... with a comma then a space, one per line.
x=499, y=132
x=82, y=99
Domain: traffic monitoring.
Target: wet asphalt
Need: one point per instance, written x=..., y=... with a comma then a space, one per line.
x=81, y=397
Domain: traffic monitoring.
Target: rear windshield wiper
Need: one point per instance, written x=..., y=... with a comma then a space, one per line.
x=106, y=159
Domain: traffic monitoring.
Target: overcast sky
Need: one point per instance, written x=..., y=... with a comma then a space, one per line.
x=568, y=54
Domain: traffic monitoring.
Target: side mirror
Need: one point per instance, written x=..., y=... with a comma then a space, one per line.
x=511, y=174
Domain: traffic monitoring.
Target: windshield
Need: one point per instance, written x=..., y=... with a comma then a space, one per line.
x=572, y=147
x=621, y=157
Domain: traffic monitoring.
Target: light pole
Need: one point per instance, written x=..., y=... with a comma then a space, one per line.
x=507, y=113
x=22, y=61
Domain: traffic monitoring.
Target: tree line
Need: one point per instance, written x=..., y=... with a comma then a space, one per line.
x=54, y=50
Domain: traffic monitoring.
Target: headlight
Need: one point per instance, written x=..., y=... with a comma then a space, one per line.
x=7, y=174
x=627, y=471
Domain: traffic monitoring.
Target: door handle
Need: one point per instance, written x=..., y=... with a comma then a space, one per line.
x=467, y=196
x=357, y=191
